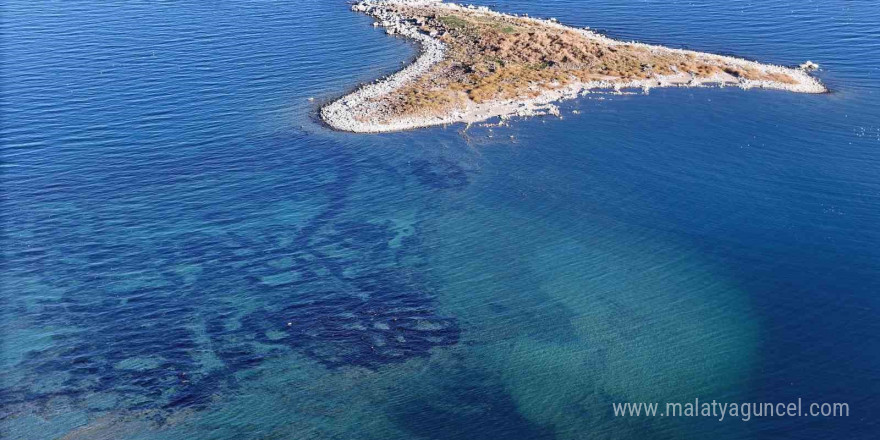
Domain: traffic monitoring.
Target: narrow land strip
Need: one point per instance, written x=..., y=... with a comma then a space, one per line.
x=477, y=64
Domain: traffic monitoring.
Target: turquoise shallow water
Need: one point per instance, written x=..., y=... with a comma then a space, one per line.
x=189, y=254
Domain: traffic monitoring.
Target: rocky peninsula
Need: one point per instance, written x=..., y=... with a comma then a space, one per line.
x=476, y=64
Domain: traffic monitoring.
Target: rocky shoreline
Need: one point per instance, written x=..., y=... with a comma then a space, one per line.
x=362, y=112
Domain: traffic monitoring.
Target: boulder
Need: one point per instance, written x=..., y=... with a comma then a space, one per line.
x=809, y=65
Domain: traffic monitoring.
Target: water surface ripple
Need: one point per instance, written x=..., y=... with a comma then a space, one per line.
x=188, y=253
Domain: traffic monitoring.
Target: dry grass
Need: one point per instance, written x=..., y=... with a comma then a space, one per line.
x=493, y=58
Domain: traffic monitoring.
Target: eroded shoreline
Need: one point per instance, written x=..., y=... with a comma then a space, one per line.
x=377, y=107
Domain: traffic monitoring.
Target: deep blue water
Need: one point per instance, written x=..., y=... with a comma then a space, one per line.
x=189, y=254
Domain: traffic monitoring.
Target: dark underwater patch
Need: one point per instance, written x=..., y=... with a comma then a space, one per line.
x=384, y=319
x=440, y=173
x=167, y=321
x=466, y=404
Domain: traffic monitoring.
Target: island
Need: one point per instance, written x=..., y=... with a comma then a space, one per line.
x=476, y=64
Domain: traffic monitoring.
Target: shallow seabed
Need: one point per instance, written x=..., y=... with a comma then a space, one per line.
x=188, y=254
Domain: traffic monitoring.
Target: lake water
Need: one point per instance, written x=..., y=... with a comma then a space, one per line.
x=189, y=254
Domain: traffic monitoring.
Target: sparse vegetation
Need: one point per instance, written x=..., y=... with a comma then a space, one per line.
x=453, y=22
x=491, y=57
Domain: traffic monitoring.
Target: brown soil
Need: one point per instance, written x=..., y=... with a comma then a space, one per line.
x=491, y=58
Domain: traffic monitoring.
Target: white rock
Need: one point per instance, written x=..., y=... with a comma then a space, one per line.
x=809, y=65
